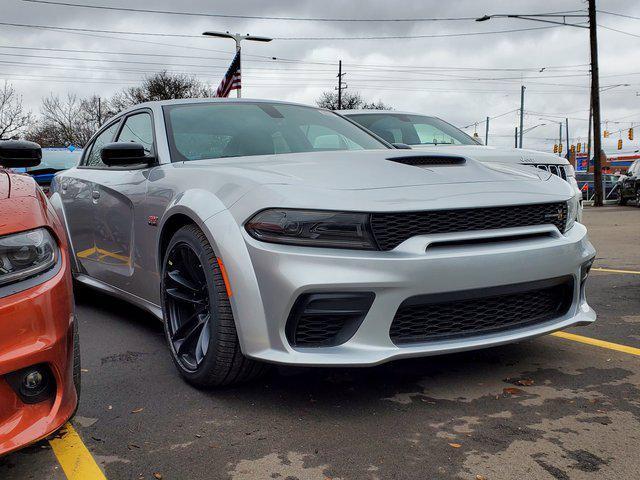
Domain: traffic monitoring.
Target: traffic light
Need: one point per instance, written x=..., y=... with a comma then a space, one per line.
x=605, y=134
x=560, y=148
x=620, y=144
x=630, y=133
x=579, y=147
x=475, y=134
x=573, y=149
x=555, y=148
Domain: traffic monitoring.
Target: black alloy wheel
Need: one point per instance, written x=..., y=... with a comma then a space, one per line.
x=187, y=302
x=198, y=320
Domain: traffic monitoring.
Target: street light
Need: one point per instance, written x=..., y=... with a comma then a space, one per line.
x=237, y=38
x=554, y=18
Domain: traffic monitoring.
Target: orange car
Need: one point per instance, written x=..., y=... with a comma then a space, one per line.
x=39, y=353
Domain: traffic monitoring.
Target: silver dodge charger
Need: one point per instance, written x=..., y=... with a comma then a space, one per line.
x=270, y=232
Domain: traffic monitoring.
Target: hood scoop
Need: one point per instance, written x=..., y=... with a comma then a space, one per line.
x=428, y=160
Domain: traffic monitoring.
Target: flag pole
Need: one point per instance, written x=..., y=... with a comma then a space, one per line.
x=238, y=38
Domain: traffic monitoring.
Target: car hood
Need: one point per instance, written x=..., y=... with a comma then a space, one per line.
x=15, y=185
x=486, y=153
x=361, y=170
x=21, y=204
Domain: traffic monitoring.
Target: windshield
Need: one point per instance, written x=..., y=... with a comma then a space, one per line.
x=413, y=129
x=57, y=159
x=219, y=130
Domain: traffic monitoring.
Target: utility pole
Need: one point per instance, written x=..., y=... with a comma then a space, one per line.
x=559, y=139
x=341, y=84
x=516, y=139
x=522, y=88
x=486, y=133
x=560, y=18
x=99, y=112
x=595, y=103
x=567, y=130
x=589, y=135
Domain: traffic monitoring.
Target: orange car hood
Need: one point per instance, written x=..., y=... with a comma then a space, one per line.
x=22, y=205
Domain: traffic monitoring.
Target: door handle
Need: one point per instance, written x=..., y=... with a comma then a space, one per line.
x=95, y=194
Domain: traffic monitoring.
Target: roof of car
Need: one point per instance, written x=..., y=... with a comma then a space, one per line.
x=187, y=101
x=379, y=112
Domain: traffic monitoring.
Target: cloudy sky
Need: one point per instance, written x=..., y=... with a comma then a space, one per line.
x=461, y=78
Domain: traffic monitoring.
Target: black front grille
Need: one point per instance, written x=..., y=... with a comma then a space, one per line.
x=391, y=229
x=477, y=312
x=558, y=170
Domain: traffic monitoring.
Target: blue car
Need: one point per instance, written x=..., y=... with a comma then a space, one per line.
x=53, y=160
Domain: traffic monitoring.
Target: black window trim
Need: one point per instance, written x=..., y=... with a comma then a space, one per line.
x=121, y=120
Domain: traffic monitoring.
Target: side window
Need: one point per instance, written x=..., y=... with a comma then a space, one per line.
x=93, y=158
x=138, y=129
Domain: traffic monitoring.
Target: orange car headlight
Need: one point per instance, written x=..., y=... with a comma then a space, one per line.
x=26, y=254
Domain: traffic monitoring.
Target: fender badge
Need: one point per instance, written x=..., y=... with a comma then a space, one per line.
x=153, y=220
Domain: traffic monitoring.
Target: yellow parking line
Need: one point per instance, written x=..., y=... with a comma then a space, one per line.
x=598, y=343
x=612, y=270
x=73, y=456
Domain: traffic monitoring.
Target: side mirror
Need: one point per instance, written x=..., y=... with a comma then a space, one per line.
x=19, y=154
x=401, y=146
x=123, y=153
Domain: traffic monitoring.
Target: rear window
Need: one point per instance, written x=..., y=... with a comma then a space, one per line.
x=413, y=129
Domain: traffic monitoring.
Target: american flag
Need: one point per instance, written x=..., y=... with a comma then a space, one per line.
x=231, y=80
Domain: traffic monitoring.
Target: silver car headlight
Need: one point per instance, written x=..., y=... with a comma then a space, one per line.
x=26, y=254
x=312, y=228
x=573, y=206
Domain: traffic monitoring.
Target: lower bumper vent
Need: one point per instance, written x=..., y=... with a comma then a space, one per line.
x=327, y=319
x=477, y=312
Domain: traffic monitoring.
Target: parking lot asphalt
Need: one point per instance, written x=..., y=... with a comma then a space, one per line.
x=551, y=408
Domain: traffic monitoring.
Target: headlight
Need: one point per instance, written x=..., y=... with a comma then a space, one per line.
x=573, y=206
x=25, y=254
x=312, y=228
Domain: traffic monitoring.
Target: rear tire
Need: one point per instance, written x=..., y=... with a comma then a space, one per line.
x=194, y=297
x=622, y=201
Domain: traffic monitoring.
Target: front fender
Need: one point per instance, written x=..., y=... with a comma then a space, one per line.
x=56, y=203
x=198, y=205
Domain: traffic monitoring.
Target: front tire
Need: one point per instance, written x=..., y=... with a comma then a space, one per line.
x=199, y=324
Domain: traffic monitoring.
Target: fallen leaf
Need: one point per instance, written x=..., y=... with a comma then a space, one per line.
x=137, y=410
x=84, y=370
x=157, y=475
x=525, y=382
x=455, y=445
x=481, y=477
x=512, y=391
x=110, y=407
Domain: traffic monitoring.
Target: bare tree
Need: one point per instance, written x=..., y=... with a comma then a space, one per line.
x=13, y=117
x=65, y=121
x=350, y=101
x=161, y=86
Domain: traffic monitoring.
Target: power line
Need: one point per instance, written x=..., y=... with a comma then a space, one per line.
x=618, y=14
x=250, y=17
x=377, y=67
x=184, y=35
x=619, y=31
x=403, y=37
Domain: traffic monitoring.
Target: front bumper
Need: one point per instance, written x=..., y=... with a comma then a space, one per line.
x=36, y=327
x=268, y=279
